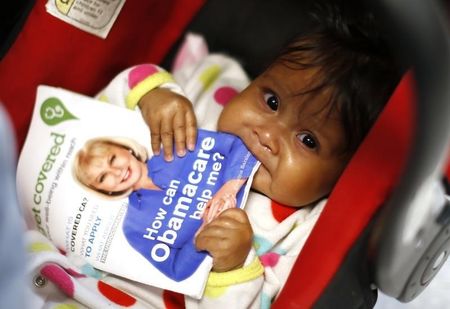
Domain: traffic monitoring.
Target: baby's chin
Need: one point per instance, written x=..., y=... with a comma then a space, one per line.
x=262, y=185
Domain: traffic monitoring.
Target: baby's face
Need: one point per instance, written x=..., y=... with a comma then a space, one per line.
x=115, y=170
x=298, y=140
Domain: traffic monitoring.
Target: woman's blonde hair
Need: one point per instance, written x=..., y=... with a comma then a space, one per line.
x=95, y=147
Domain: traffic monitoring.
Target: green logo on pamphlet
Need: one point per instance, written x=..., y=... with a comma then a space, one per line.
x=54, y=112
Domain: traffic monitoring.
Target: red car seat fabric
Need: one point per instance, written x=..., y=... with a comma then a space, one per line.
x=361, y=190
x=49, y=51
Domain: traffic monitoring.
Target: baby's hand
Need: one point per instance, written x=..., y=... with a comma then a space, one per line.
x=170, y=117
x=228, y=239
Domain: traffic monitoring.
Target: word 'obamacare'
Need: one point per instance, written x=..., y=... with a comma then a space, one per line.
x=195, y=179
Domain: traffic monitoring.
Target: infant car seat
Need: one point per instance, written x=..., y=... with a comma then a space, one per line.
x=360, y=240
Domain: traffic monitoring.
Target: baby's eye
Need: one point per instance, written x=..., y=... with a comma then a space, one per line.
x=271, y=100
x=308, y=140
x=101, y=178
x=111, y=160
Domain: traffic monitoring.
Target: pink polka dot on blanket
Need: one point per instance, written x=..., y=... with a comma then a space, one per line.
x=139, y=73
x=59, y=277
x=269, y=259
x=223, y=95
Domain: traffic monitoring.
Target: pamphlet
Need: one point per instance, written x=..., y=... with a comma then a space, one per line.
x=146, y=235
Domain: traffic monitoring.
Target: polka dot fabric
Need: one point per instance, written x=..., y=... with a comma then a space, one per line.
x=139, y=73
x=60, y=278
x=269, y=259
x=79, y=287
x=223, y=95
x=79, y=283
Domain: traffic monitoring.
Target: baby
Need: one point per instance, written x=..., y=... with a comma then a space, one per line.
x=302, y=118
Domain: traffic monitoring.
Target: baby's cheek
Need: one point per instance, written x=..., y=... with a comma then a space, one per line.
x=230, y=117
x=294, y=190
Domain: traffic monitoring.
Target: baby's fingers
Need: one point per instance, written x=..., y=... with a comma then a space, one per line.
x=155, y=136
x=191, y=130
x=161, y=132
x=209, y=237
x=236, y=214
x=180, y=134
x=167, y=136
x=185, y=129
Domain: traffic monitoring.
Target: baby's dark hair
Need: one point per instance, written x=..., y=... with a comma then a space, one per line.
x=353, y=60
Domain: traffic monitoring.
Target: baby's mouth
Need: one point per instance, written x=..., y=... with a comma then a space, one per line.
x=255, y=146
